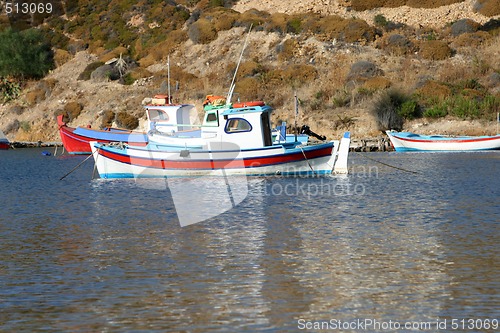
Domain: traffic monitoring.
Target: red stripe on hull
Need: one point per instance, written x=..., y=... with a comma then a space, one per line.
x=448, y=141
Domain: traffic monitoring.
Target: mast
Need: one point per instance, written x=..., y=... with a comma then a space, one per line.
x=233, y=84
x=296, y=115
x=168, y=80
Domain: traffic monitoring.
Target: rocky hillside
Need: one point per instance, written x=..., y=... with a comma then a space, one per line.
x=338, y=56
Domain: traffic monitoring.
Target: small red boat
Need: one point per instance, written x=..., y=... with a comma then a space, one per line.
x=4, y=142
x=76, y=140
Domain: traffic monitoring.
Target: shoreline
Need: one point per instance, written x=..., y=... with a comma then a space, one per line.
x=359, y=145
x=35, y=144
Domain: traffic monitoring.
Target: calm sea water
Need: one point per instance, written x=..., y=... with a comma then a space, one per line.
x=82, y=255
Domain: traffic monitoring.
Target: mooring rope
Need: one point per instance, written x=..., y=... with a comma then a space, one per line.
x=390, y=166
x=305, y=157
x=79, y=164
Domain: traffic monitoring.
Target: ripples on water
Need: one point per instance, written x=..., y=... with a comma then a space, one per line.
x=109, y=255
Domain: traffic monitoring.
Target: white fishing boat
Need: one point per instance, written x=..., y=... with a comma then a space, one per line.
x=235, y=141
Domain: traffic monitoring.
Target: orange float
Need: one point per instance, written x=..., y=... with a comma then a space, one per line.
x=247, y=104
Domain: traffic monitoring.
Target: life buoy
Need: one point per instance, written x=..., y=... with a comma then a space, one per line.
x=161, y=96
x=214, y=100
x=246, y=104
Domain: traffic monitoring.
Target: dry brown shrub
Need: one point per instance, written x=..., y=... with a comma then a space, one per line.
x=488, y=8
x=126, y=120
x=107, y=119
x=73, y=110
x=357, y=31
x=115, y=53
x=361, y=5
x=451, y=73
x=254, y=17
x=329, y=25
x=248, y=68
x=35, y=96
x=161, y=50
x=61, y=57
x=377, y=83
x=299, y=75
x=176, y=74
x=475, y=39
x=147, y=60
x=371, y=4
x=433, y=89
x=248, y=89
x=396, y=44
x=362, y=70
x=202, y=32
x=277, y=22
x=41, y=92
x=430, y=3
x=222, y=18
x=434, y=50
x=349, y=30
x=287, y=50
x=140, y=72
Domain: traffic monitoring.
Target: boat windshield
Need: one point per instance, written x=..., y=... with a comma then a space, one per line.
x=157, y=115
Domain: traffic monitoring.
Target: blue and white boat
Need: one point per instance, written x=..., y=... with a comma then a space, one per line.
x=407, y=141
x=231, y=141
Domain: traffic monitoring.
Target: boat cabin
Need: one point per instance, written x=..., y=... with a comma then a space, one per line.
x=171, y=118
x=248, y=127
x=246, y=124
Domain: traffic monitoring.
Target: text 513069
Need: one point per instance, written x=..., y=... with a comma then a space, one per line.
x=13, y=8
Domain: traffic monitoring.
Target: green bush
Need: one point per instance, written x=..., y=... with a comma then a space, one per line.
x=9, y=90
x=409, y=110
x=24, y=54
x=127, y=79
x=294, y=26
x=380, y=21
x=437, y=111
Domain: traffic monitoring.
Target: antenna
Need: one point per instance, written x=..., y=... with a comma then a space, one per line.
x=233, y=85
x=498, y=121
x=296, y=115
x=168, y=79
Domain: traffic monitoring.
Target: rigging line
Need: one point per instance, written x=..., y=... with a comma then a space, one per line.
x=79, y=164
x=305, y=157
x=390, y=166
x=232, y=86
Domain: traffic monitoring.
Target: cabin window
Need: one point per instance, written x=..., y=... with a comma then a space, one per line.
x=236, y=125
x=158, y=115
x=211, y=117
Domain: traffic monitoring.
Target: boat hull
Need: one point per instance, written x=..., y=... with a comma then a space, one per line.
x=408, y=142
x=137, y=162
x=4, y=142
x=77, y=140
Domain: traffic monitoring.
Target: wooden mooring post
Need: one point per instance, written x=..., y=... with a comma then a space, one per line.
x=371, y=144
